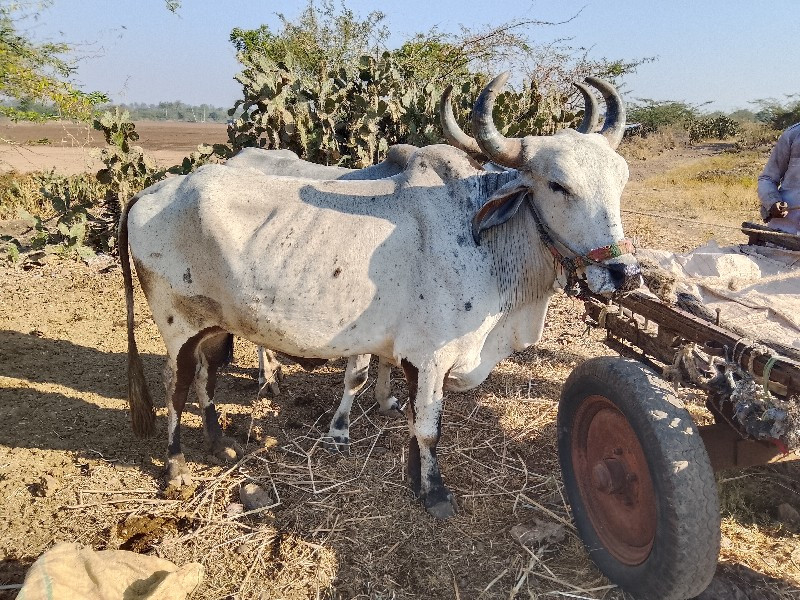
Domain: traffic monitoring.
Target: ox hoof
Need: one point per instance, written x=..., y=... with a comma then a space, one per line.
x=337, y=443
x=391, y=408
x=274, y=388
x=178, y=475
x=226, y=449
x=441, y=505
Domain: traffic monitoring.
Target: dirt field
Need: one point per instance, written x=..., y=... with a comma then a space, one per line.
x=68, y=148
x=341, y=526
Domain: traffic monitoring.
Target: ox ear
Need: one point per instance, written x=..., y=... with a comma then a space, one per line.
x=503, y=205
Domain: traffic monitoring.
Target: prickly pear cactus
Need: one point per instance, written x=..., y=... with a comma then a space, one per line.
x=350, y=116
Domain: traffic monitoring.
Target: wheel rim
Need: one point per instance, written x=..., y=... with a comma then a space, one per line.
x=614, y=480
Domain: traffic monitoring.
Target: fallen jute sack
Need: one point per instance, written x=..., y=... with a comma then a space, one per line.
x=70, y=572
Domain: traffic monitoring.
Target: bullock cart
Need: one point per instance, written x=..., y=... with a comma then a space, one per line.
x=638, y=471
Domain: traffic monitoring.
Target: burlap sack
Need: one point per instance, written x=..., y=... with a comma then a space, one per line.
x=70, y=572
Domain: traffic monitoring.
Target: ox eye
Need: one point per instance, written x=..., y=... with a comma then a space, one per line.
x=557, y=187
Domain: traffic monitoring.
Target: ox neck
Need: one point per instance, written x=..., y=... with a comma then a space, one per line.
x=521, y=262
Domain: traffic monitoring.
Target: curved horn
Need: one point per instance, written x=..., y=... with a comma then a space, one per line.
x=452, y=132
x=590, y=112
x=501, y=150
x=614, y=124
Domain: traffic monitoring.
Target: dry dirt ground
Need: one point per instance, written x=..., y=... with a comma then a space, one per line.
x=340, y=526
x=68, y=148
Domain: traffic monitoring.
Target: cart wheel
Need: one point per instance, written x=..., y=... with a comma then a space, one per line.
x=639, y=480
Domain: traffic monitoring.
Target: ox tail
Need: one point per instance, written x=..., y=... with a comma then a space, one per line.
x=143, y=416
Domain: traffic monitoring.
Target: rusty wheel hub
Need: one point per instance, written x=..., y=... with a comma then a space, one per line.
x=614, y=480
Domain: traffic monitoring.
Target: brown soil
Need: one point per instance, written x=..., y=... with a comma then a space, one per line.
x=68, y=148
x=342, y=526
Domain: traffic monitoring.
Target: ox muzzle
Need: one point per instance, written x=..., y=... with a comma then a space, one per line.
x=613, y=276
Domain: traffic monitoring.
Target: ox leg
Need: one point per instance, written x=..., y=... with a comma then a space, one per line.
x=211, y=352
x=387, y=404
x=425, y=425
x=178, y=375
x=355, y=376
x=269, y=370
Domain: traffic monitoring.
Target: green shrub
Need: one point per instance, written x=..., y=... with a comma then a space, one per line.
x=654, y=115
x=719, y=128
x=30, y=191
x=351, y=117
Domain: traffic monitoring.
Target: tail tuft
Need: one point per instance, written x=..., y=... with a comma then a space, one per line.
x=143, y=415
x=228, y=359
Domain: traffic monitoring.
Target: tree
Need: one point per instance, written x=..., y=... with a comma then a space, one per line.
x=34, y=73
x=744, y=115
x=655, y=114
x=37, y=73
x=323, y=37
x=778, y=115
x=326, y=87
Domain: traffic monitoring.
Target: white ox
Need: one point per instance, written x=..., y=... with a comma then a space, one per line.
x=390, y=267
x=286, y=163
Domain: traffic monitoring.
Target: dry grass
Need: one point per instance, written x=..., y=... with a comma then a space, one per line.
x=724, y=183
x=347, y=526
x=642, y=148
x=686, y=205
x=756, y=136
x=21, y=191
x=24, y=191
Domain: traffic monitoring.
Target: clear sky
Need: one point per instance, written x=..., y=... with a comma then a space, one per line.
x=725, y=51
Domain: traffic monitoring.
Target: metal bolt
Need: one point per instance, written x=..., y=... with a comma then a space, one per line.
x=602, y=478
x=608, y=476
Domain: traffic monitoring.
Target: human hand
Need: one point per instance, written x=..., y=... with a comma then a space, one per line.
x=778, y=210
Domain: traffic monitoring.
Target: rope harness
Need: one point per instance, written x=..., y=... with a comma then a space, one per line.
x=569, y=259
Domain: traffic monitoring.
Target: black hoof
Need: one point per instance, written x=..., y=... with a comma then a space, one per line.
x=226, y=449
x=440, y=503
x=441, y=508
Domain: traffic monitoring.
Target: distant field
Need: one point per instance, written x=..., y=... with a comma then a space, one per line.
x=66, y=147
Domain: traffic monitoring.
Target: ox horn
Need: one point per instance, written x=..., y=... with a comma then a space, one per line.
x=614, y=124
x=590, y=112
x=452, y=132
x=501, y=150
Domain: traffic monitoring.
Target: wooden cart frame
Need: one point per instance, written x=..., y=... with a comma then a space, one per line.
x=644, y=328
x=638, y=472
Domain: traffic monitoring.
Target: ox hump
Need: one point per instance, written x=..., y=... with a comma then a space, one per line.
x=439, y=163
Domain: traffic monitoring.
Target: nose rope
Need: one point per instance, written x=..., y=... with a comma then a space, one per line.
x=573, y=260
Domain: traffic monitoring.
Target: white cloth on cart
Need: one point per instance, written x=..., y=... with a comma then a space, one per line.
x=756, y=288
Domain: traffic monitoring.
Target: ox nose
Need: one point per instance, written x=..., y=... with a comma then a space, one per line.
x=625, y=276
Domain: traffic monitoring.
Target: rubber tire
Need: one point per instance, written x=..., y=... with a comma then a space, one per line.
x=685, y=548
